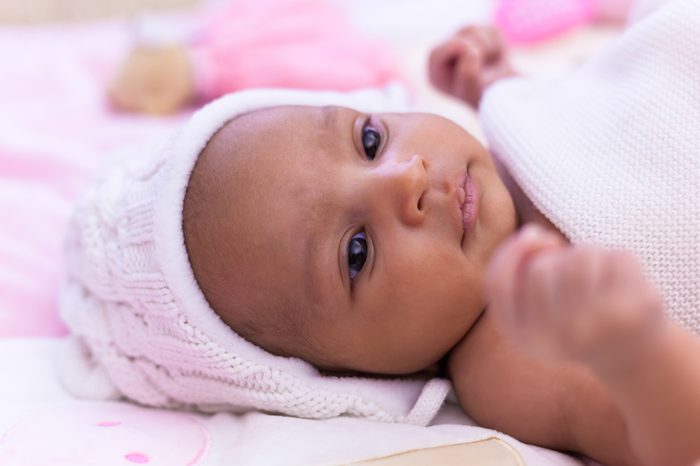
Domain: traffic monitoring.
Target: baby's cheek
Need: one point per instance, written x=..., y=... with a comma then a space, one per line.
x=105, y=434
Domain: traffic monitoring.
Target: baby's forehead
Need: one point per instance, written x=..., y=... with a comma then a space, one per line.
x=279, y=119
x=259, y=142
x=309, y=125
x=258, y=155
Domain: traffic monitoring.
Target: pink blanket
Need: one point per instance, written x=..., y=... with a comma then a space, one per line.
x=55, y=127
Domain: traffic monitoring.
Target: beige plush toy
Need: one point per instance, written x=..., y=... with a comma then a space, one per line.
x=157, y=80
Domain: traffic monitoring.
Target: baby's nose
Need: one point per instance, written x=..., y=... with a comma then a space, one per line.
x=406, y=184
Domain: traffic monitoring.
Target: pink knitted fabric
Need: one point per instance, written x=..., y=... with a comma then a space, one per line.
x=303, y=44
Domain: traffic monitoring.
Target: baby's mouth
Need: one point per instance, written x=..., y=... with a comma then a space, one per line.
x=468, y=197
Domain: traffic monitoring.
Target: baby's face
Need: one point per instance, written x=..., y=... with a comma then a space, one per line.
x=345, y=238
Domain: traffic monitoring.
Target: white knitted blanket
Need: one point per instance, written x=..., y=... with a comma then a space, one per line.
x=611, y=152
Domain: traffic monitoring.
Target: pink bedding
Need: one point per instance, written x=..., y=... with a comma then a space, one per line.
x=55, y=128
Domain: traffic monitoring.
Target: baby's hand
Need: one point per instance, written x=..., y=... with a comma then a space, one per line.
x=467, y=63
x=581, y=303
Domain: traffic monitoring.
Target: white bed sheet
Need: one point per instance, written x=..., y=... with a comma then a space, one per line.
x=41, y=424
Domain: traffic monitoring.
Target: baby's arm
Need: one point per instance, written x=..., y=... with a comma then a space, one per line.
x=558, y=405
x=660, y=400
x=595, y=308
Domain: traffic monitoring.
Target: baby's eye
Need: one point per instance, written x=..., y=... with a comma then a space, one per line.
x=371, y=139
x=357, y=254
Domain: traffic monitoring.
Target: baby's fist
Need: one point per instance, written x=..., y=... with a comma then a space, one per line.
x=467, y=63
x=581, y=303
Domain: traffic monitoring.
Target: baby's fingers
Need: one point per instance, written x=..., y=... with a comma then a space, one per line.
x=467, y=76
x=504, y=273
x=488, y=39
x=457, y=66
x=633, y=297
x=510, y=256
x=443, y=63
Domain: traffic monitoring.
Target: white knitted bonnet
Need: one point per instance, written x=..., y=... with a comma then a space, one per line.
x=141, y=326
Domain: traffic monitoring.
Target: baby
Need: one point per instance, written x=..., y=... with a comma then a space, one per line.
x=282, y=228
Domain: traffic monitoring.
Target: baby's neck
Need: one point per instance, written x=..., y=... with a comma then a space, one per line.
x=524, y=207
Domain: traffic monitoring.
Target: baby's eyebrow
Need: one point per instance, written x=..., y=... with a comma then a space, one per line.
x=336, y=131
x=333, y=129
x=329, y=115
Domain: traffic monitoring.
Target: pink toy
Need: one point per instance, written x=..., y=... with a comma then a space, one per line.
x=237, y=44
x=306, y=44
x=523, y=21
